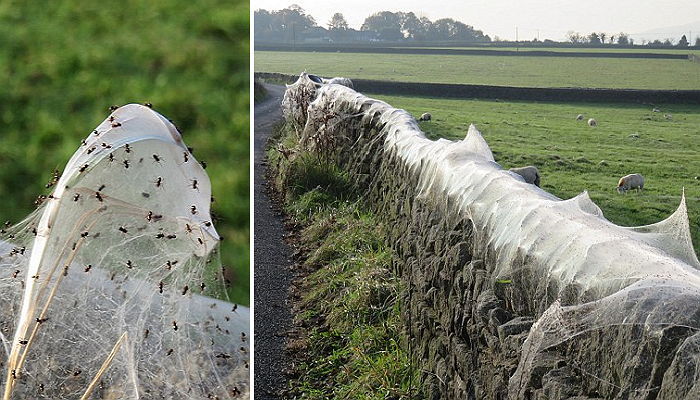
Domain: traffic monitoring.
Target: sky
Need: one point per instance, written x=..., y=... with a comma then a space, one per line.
x=549, y=19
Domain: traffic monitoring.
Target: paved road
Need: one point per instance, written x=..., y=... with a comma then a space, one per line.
x=272, y=264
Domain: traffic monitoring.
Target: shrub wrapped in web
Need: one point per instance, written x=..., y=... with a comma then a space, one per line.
x=103, y=287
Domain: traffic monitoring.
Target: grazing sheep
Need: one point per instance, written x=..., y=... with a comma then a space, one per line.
x=655, y=110
x=340, y=81
x=668, y=116
x=529, y=173
x=579, y=117
x=425, y=117
x=592, y=122
x=631, y=181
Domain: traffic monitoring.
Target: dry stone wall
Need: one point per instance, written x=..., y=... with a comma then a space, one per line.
x=512, y=292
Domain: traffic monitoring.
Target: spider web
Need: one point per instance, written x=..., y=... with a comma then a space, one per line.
x=104, y=286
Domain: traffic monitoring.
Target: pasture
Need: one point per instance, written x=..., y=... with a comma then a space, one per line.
x=63, y=64
x=490, y=70
x=573, y=157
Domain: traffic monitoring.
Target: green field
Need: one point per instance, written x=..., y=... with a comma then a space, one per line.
x=573, y=157
x=490, y=70
x=62, y=64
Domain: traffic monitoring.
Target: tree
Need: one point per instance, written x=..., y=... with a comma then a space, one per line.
x=386, y=23
x=282, y=25
x=623, y=39
x=697, y=41
x=602, y=36
x=413, y=27
x=574, y=37
x=683, y=42
x=593, y=38
x=337, y=23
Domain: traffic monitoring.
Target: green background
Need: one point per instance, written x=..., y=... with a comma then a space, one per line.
x=63, y=63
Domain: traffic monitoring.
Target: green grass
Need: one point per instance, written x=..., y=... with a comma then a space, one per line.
x=62, y=64
x=490, y=70
x=352, y=344
x=354, y=347
x=573, y=157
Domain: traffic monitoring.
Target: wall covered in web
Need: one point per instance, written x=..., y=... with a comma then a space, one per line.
x=512, y=292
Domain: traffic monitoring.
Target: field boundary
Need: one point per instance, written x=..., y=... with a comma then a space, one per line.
x=467, y=91
x=467, y=52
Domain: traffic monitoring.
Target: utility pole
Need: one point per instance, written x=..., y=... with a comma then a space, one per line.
x=516, y=39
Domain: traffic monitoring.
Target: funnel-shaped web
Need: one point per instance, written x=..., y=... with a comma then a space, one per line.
x=101, y=287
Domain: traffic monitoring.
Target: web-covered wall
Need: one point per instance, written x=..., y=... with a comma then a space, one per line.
x=513, y=293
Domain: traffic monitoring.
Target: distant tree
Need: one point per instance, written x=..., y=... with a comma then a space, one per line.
x=283, y=25
x=623, y=39
x=593, y=39
x=668, y=43
x=683, y=42
x=602, y=36
x=337, y=23
x=697, y=41
x=295, y=15
x=574, y=37
x=413, y=27
x=386, y=23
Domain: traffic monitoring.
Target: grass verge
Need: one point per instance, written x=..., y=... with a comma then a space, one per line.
x=349, y=341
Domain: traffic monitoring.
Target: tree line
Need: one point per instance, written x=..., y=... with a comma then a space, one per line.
x=623, y=39
x=293, y=24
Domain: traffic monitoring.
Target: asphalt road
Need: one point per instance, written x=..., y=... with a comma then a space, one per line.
x=272, y=270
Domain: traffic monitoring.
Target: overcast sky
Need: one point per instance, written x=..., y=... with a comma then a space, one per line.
x=500, y=17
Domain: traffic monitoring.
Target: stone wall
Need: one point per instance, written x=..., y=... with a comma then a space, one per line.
x=489, y=319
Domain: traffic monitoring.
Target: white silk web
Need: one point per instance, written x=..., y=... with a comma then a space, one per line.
x=103, y=287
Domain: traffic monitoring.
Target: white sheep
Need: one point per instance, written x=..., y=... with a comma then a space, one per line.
x=425, y=117
x=655, y=110
x=529, y=173
x=579, y=117
x=592, y=122
x=339, y=81
x=631, y=181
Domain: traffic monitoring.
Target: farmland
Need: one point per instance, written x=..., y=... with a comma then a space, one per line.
x=490, y=70
x=572, y=157
x=63, y=64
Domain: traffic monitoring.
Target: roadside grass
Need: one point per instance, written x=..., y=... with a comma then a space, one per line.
x=352, y=343
x=63, y=64
x=573, y=157
x=490, y=70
